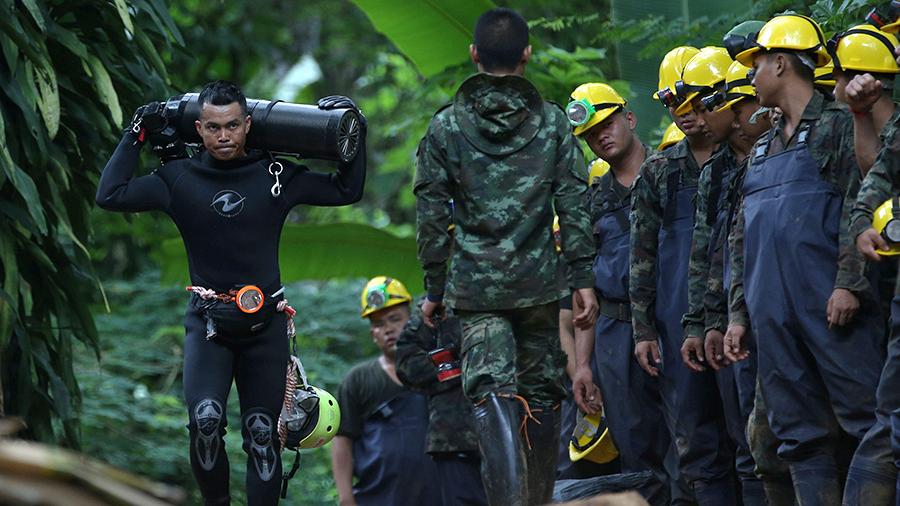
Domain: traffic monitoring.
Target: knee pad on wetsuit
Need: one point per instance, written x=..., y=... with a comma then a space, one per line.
x=261, y=441
x=207, y=426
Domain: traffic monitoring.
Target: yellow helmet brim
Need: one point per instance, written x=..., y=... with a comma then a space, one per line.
x=746, y=57
x=727, y=105
x=598, y=117
x=686, y=106
x=891, y=27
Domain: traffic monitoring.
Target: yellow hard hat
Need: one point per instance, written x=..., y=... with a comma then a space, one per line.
x=591, y=440
x=703, y=73
x=590, y=104
x=791, y=32
x=383, y=292
x=825, y=75
x=672, y=136
x=670, y=72
x=737, y=85
x=887, y=222
x=596, y=170
x=864, y=48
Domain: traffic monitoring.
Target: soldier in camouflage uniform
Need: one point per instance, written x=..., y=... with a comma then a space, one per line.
x=451, y=440
x=661, y=226
x=508, y=160
x=704, y=323
x=866, y=94
x=793, y=252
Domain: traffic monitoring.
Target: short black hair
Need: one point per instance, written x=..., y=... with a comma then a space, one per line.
x=223, y=93
x=500, y=37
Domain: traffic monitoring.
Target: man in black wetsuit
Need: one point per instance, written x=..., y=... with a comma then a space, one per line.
x=231, y=226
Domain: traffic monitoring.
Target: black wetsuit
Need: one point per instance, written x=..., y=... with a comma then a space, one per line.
x=231, y=226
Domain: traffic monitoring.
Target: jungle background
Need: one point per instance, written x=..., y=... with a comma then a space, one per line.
x=92, y=302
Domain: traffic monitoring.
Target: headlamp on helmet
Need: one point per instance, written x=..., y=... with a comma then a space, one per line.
x=668, y=98
x=383, y=292
x=590, y=104
x=580, y=111
x=682, y=89
x=886, y=221
x=713, y=101
x=885, y=16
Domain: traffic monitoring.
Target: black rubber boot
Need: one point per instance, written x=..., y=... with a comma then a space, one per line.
x=779, y=492
x=502, y=457
x=543, y=455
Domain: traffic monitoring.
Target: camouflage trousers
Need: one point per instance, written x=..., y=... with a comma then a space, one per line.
x=513, y=351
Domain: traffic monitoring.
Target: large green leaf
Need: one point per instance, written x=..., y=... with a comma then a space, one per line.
x=341, y=250
x=48, y=95
x=9, y=303
x=104, y=86
x=122, y=9
x=35, y=12
x=434, y=34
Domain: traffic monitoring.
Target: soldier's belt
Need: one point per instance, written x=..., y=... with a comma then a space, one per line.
x=615, y=309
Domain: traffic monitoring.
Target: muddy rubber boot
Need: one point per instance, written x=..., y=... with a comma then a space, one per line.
x=543, y=455
x=816, y=481
x=779, y=492
x=502, y=457
x=870, y=487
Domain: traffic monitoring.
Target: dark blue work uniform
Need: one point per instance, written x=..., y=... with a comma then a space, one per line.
x=387, y=424
x=631, y=398
x=691, y=400
x=793, y=224
x=737, y=383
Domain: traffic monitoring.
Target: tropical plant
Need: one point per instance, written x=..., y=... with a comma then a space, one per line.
x=70, y=72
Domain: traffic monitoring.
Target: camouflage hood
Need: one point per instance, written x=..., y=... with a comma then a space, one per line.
x=498, y=115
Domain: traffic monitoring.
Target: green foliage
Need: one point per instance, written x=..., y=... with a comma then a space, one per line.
x=68, y=71
x=135, y=418
x=437, y=37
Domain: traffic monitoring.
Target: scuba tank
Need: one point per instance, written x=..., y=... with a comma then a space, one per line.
x=278, y=127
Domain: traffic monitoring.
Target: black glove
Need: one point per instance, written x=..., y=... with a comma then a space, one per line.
x=337, y=102
x=341, y=102
x=150, y=118
x=153, y=117
x=167, y=145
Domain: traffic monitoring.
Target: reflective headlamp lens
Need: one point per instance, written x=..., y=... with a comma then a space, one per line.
x=891, y=232
x=377, y=297
x=579, y=112
x=667, y=97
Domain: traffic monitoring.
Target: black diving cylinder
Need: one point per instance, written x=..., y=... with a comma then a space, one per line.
x=281, y=127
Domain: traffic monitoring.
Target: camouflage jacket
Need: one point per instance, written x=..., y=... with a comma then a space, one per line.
x=881, y=183
x=715, y=303
x=706, y=257
x=883, y=180
x=648, y=203
x=451, y=427
x=830, y=142
x=508, y=160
